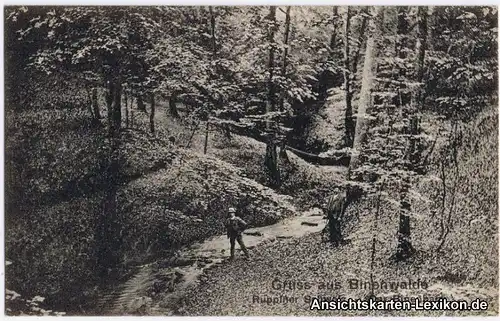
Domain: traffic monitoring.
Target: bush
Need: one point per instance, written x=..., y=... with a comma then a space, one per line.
x=472, y=244
x=53, y=249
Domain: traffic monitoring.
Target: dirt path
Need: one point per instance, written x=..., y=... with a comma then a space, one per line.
x=167, y=281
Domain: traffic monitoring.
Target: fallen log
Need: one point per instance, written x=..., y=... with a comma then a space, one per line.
x=309, y=224
x=257, y=233
x=340, y=158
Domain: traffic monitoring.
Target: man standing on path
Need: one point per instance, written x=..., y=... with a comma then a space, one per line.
x=235, y=226
x=335, y=209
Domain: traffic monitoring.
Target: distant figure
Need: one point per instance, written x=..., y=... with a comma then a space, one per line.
x=335, y=208
x=235, y=226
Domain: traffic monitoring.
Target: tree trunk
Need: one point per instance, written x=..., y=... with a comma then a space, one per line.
x=375, y=234
x=354, y=70
x=95, y=104
x=431, y=22
x=405, y=248
x=285, y=54
x=205, y=146
x=116, y=113
x=282, y=155
x=367, y=85
x=271, y=104
x=140, y=104
x=113, y=102
x=109, y=104
x=212, y=27
x=357, y=53
x=326, y=77
x=333, y=37
x=446, y=228
x=421, y=47
x=131, y=111
x=227, y=133
x=214, y=54
x=117, y=110
x=126, y=110
x=108, y=239
x=271, y=159
x=172, y=105
x=152, y=115
x=348, y=123
x=271, y=162
x=89, y=105
x=132, y=120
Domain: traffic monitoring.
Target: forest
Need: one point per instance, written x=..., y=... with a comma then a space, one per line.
x=130, y=131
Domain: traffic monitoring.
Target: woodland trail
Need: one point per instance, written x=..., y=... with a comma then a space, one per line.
x=167, y=281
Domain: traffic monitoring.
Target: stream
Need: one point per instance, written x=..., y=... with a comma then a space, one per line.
x=166, y=281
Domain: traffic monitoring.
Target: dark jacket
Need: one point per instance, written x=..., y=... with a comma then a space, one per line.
x=235, y=226
x=336, y=206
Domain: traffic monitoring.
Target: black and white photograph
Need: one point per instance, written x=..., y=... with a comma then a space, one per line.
x=271, y=160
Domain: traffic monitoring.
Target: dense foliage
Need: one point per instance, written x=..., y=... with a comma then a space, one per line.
x=111, y=114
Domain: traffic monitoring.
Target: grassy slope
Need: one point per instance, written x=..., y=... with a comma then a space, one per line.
x=182, y=204
x=307, y=183
x=467, y=268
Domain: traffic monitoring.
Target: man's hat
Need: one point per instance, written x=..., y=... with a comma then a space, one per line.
x=232, y=210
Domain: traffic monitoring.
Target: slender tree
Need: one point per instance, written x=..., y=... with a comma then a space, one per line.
x=127, y=117
x=361, y=37
x=131, y=111
x=89, y=105
x=107, y=227
x=374, y=237
x=271, y=159
x=405, y=248
x=214, y=54
x=285, y=52
x=283, y=155
x=140, y=103
x=152, y=114
x=271, y=103
x=421, y=47
x=172, y=104
x=367, y=85
x=348, y=122
x=326, y=74
x=113, y=94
